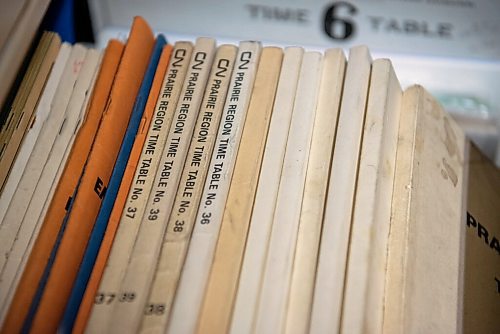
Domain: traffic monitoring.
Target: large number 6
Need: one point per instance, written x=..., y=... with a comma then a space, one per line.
x=337, y=27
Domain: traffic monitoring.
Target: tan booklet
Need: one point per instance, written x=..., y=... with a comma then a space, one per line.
x=15, y=155
x=27, y=84
x=246, y=298
x=139, y=190
x=180, y=224
x=15, y=111
x=214, y=196
x=482, y=247
x=422, y=292
x=41, y=113
x=29, y=228
x=271, y=310
x=329, y=286
x=227, y=142
x=363, y=304
x=136, y=284
x=34, y=167
x=222, y=284
x=25, y=101
x=313, y=203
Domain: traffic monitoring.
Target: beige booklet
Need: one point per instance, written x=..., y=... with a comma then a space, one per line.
x=29, y=85
x=16, y=153
x=363, y=304
x=422, y=293
x=15, y=110
x=223, y=280
x=329, y=286
x=180, y=224
x=271, y=310
x=213, y=199
x=140, y=188
x=127, y=313
x=29, y=228
x=80, y=121
x=265, y=198
x=482, y=246
x=315, y=190
x=34, y=167
x=41, y=113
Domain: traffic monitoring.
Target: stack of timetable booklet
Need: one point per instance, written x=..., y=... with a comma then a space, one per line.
x=204, y=188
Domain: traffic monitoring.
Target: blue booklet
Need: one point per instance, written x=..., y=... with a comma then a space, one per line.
x=101, y=223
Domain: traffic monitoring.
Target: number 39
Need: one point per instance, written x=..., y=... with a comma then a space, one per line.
x=340, y=27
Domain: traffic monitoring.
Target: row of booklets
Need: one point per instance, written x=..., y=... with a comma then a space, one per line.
x=246, y=189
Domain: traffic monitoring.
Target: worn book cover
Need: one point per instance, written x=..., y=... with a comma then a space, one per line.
x=424, y=264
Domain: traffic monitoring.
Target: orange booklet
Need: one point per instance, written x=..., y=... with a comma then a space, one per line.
x=95, y=278
x=69, y=179
x=93, y=182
